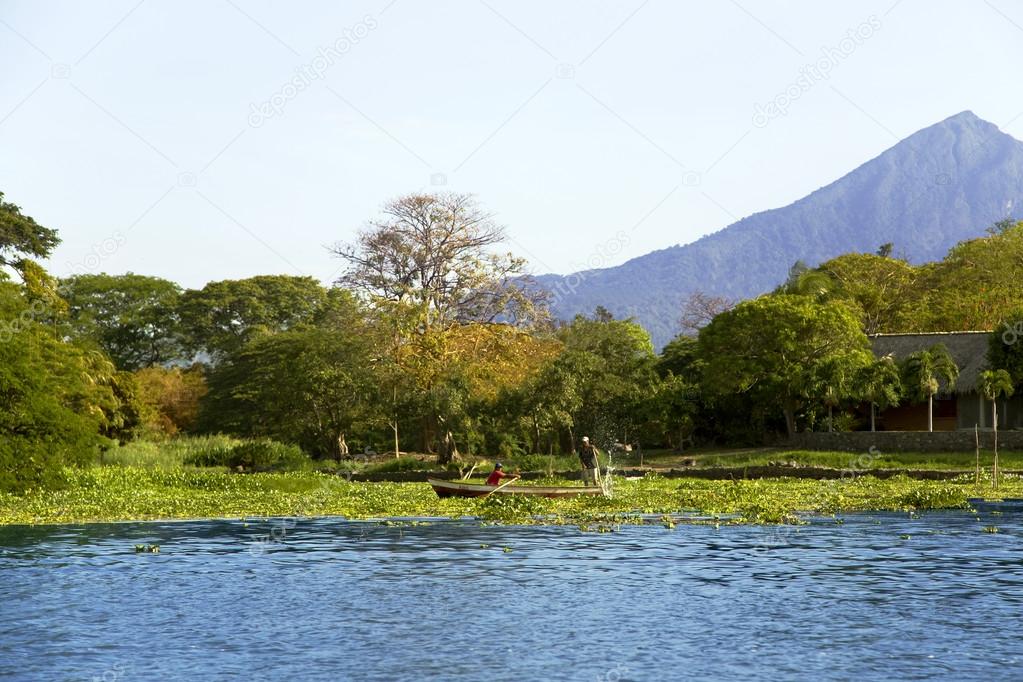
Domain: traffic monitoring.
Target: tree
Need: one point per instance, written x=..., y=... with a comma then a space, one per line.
x=879, y=285
x=699, y=309
x=975, y=287
x=59, y=403
x=681, y=358
x=994, y=384
x=223, y=316
x=885, y=250
x=672, y=408
x=311, y=386
x=22, y=237
x=172, y=395
x=923, y=372
x=130, y=317
x=548, y=400
x=1002, y=226
x=778, y=348
x=1005, y=347
x=432, y=252
x=425, y=267
x=834, y=382
x=880, y=384
x=611, y=365
x=803, y=281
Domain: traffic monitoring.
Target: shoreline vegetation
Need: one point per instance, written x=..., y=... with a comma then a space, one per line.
x=130, y=493
x=118, y=389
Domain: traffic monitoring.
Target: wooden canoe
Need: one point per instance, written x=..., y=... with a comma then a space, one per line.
x=460, y=489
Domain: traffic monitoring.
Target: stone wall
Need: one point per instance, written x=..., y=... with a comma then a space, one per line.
x=905, y=441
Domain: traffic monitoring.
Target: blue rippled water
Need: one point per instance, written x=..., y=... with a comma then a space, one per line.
x=880, y=596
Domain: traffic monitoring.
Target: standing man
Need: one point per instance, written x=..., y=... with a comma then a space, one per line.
x=591, y=466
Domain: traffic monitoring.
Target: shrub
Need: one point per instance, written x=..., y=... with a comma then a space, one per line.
x=26, y=464
x=262, y=454
x=399, y=464
x=938, y=497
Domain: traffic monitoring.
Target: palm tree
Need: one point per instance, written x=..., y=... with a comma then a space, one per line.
x=833, y=383
x=923, y=372
x=993, y=384
x=806, y=282
x=832, y=398
x=879, y=384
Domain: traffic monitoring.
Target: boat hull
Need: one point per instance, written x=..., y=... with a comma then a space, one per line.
x=457, y=489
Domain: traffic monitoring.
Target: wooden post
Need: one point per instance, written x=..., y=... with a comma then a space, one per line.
x=994, y=426
x=976, y=436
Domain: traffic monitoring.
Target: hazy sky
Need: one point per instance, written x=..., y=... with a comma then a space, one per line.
x=210, y=139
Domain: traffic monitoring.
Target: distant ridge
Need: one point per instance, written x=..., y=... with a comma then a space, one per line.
x=939, y=186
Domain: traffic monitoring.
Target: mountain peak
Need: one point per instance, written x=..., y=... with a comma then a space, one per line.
x=962, y=122
x=964, y=117
x=941, y=185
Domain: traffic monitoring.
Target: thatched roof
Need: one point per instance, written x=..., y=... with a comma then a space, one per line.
x=968, y=349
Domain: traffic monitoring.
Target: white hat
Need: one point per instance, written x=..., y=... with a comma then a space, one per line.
x=586, y=439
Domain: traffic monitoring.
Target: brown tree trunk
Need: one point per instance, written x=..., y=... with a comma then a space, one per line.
x=930, y=412
x=790, y=420
x=448, y=450
x=342, y=447
x=429, y=435
x=537, y=447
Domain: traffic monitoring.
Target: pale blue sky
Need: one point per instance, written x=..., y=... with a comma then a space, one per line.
x=129, y=125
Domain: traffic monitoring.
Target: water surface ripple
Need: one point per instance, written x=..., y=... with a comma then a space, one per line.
x=880, y=596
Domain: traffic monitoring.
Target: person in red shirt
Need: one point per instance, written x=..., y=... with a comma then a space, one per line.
x=498, y=473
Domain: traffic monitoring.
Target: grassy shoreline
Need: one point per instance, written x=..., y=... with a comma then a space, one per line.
x=117, y=493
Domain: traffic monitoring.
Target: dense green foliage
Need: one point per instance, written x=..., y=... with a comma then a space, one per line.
x=21, y=237
x=60, y=402
x=222, y=317
x=132, y=318
x=786, y=350
x=123, y=493
x=431, y=343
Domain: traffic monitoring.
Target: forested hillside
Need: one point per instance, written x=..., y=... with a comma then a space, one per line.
x=939, y=186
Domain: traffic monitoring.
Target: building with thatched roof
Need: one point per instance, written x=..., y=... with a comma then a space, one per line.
x=963, y=406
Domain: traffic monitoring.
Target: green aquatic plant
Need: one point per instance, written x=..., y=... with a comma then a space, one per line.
x=939, y=497
x=512, y=508
x=129, y=493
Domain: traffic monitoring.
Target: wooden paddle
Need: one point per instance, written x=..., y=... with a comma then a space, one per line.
x=508, y=482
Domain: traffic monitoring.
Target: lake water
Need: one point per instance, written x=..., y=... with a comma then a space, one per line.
x=328, y=599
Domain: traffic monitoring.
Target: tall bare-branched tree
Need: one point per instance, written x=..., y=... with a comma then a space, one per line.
x=699, y=309
x=430, y=263
x=437, y=253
